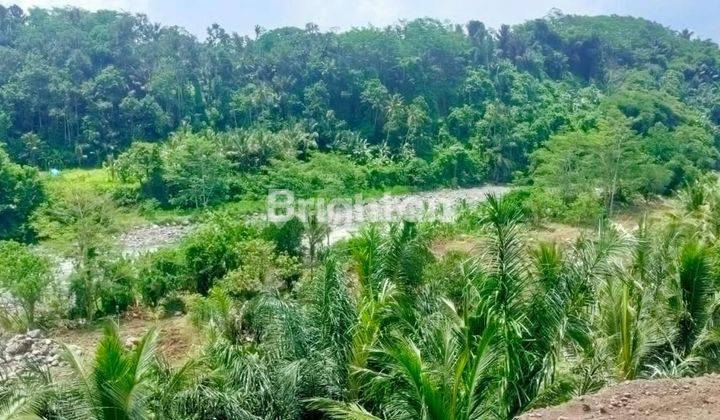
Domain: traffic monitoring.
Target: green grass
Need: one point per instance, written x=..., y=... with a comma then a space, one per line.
x=94, y=180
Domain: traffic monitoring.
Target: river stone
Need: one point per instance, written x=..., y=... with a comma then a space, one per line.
x=18, y=347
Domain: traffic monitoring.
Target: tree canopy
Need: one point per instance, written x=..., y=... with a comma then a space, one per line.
x=77, y=87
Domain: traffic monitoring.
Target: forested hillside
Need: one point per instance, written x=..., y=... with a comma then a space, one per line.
x=77, y=87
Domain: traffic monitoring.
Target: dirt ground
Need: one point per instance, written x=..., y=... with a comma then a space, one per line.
x=177, y=339
x=687, y=398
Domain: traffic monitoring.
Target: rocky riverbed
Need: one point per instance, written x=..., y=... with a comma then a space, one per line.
x=137, y=241
x=440, y=204
x=24, y=351
x=149, y=238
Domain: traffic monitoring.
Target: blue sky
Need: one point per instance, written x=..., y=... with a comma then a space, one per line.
x=701, y=16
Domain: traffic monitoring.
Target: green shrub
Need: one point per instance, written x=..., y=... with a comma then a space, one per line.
x=260, y=269
x=586, y=210
x=115, y=290
x=25, y=275
x=195, y=170
x=211, y=251
x=172, y=304
x=286, y=236
x=519, y=197
x=417, y=173
x=384, y=173
x=140, y=169
x=110, y=292
x=324, y=174
x=160, y=273
x=544, y=204
x=456, y=165
x=126, y=194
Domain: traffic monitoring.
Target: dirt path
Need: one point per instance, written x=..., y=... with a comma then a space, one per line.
x=687, y=398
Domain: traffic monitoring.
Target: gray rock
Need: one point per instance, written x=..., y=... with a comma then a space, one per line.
x=18, y=347
x=34, y=333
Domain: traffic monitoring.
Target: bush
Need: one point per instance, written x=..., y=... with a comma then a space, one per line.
x=24, y=275
x=140, y=169
x=260, y=269
x=114, y=291
x=126, y=194
x=586, y=210
x=210, y=253
x=544, y=204
x=324, y=174
x=456, y=165
x=519, y=197
x=384, y=173
x=21, y=192
x=109, y=293
x=172, y=304
x=287, y=236
x=160, y=273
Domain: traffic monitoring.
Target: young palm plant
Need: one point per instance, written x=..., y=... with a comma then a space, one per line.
x=487, y=355
x=118, y=383
x=532, y=309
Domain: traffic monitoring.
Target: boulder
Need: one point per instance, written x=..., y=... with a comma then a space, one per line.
x=34, y=333
x=18, y=347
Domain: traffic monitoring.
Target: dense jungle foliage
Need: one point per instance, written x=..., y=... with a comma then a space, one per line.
x=106, y=116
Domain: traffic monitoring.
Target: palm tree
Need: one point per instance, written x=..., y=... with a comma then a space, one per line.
x=118, y=383
x=488, y=354
x=625, y=325
x=367, y=257
x=530, y=308
x=404, y=255
x=375, y=311
x=26, y=397
x=409, y=381
x=693, y=296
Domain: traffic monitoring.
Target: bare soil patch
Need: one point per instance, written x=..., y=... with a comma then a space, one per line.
x=177, y=338
x=686, y=398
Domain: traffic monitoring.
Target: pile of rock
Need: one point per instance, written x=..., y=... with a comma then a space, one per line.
x=22, y=351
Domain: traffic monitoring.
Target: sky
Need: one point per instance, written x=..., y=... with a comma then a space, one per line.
x=241, y=16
